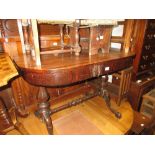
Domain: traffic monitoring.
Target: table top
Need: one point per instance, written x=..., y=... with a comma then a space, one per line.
x=67, y=68
x=7, y=69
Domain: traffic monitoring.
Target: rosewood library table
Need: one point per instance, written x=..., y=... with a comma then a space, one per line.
x=66, y=69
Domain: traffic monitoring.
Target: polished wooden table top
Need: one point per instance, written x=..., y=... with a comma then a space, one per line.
x=65, y=69
x=7, y=69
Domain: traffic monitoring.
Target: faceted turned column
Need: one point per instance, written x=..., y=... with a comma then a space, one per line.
x=74, y=37
x=25, y=25
x=61, y=36
x=77, y=38
x=44, y=111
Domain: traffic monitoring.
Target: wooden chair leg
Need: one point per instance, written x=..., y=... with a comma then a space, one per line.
x=5, y=120
x=118, y=102
x=10, y=121
x=19, y=127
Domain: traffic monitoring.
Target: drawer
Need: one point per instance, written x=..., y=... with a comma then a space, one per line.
x=149, y=56
x=143, y=67
x=145, y=57
x=151, y=24
x=149, y=36
x=153, y=55
x=50, y=43
x=148, y=47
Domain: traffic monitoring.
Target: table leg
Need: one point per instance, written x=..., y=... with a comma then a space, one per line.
x=104, y=93
x=5, y=120
x=44, y=111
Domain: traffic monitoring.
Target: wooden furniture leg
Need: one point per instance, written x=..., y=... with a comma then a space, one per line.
x=4, y=117
x=77, y=46
x=44, y=111
x=61, y=36
x=100, y=86
x=26, y=35
x=20, y=127
x=17, y=125
x=9, y=120
x=104, y=93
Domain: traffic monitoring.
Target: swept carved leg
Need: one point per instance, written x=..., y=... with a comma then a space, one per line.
x=104, y=93
x=44, y=111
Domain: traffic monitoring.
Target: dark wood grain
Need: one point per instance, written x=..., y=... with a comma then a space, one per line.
x=67, y=69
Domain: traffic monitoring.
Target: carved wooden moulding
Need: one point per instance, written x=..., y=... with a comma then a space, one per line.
x=7, y=69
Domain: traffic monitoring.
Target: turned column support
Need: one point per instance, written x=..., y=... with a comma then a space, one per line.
x=25, y=25
x=75, y=39
x=44, y=111
x=61, y=36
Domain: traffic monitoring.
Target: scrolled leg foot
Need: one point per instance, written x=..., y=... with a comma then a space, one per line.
x=48, y=122
x=104, y=93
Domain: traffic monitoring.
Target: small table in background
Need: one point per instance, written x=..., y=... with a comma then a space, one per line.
x=7, y=72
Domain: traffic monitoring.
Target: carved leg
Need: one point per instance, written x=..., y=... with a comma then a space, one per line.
x=4, y=117
x=19, y=126
x=104, y=93
x=44, y=111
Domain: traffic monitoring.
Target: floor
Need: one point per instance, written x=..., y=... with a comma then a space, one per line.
x=89, y=118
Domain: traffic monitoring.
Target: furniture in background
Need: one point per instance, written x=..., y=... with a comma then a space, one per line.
x=120, y=91
x=143, y=79
x=140, y=123
x=148, y=104
x=144, y=62
x=97, y=38
x=8, y=119
x=137, y=90
x=123, y=39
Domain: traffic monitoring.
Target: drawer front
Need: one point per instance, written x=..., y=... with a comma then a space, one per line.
x=148, y=47
x=150, y=36
x=151, y=24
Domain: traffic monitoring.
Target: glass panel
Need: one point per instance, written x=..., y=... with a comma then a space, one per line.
x=118, y=31
x=116, y=45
